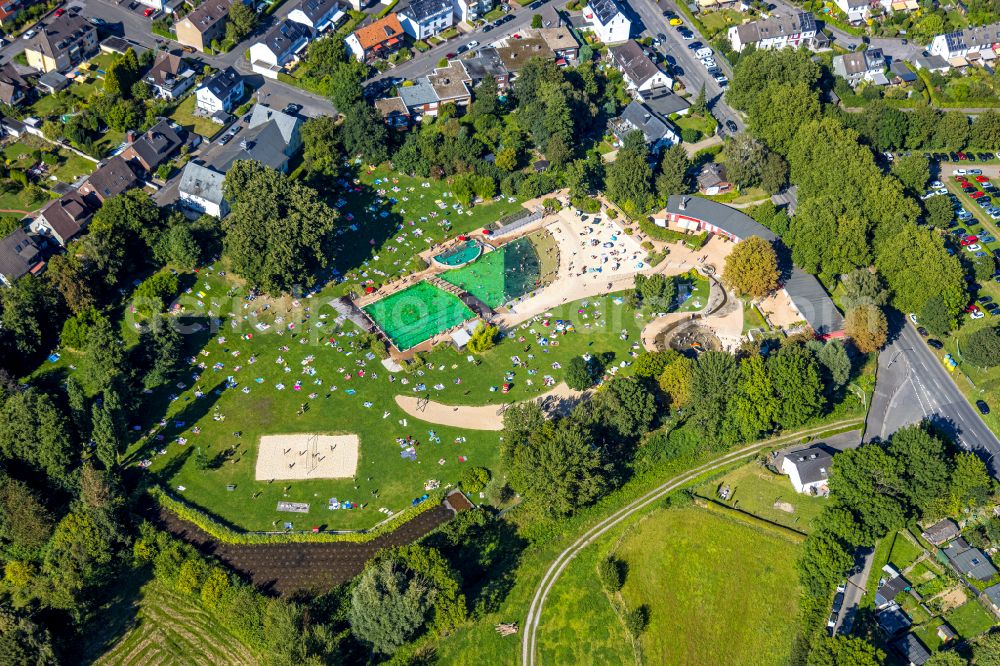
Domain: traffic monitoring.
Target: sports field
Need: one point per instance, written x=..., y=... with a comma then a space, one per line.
x=417, y=313
x=500, y=276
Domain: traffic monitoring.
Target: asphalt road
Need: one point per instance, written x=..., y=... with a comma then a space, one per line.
x=648, y=18
x=913, y=385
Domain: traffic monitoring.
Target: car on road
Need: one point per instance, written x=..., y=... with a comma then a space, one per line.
x=461, y=49
x=473, y=44
x=292, y=109
x=148, y=11
x=450, y=55
x=983, y=408
x=838, y=602
x=29, y=34
x=731, y=126
x=59, y=12
x=936, y=344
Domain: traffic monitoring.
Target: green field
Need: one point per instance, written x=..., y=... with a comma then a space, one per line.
x=718, y=592
x=756, y=490
x=165, y=627
x=417, y=314
x=184, y=116
x=904, y=552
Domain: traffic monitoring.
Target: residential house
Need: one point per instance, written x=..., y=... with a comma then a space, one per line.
x=317, y=15
x=932, y=63
x=487, y=62
x=901, y=73
x=67, y=41
x=8, y=12
x=221, y=91
x=942, y=531
x=445, y=85
x=992, y=594
x=425, y=18
x=712, y=179
x=607, y=21
x=52, y=82
x=13, y=86
x=892, y=620
x=204, y=24
x=13, y=127
x=808, y=469
x=19, y=255
x=639, y=71
x=64, y=218
x=468, y=11
x=705, y=6
x=912, y=650
x=889, y=589
x=170, y=76
x=515, y=53
x=855, y=10
x=776, y=32
x=156, y=146
x=664, y=102
x=969, y=561
x=394, y=112
x=859, y=66
x=271, y=138
x=376, y=40
x=966, y=42
x=561, y=42
x=809, y=300
x=658, y=132
x=278, y=48
x=200, y=189
x=111, y=179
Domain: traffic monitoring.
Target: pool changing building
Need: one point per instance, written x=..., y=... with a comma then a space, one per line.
x=804, y=291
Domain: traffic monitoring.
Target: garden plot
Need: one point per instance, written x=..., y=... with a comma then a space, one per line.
x=307, y=456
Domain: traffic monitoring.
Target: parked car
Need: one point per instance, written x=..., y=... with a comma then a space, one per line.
x=982, y=179
x=292, y=109
x=975, y=172
x=148, y=11
x=959, y=172
x=922, y=331
x=913, y=318
x=731, y=126
x=975, y=247
x=29, y=34
x=59, y=12
x=936, y=344
x=983, y=408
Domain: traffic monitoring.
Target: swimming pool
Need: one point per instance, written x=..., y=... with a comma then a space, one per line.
x=507, y=273
x=458, y=256
x=417, y=313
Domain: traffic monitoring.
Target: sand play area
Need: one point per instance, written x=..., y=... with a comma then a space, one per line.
x=307, y=456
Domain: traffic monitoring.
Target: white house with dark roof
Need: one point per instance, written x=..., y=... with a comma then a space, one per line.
x=607, y=21
x=855, y=10
x=170, y=76
x=859, y=66
x=219, y=92
x=639, y=71
x=279, y=47
x=658, y=132
x=200, y=189
x=966, y=42
x=776, y=32
x=808, y=470
x=471, y=10
x=317, y=15
x=425, y=18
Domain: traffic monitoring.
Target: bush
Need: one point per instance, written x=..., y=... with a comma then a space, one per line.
x=586, y=204
x=483, y=338
x=579, y=374
x=474, y=479
x=611, y=571
x=690, y=135
x=636, y=620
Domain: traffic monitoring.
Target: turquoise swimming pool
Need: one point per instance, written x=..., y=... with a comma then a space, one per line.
x=461, y=255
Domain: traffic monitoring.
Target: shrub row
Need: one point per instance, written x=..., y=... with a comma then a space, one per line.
x=226, y=534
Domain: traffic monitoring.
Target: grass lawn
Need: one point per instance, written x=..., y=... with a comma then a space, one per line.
x=903, y=552
x=704, y=124
x=756, y=490
x=719, y=21
x=718, y=591
x=692, y=292
x=184, y=116
x=154, y=625
x=970, y=619
x=752, y=318
x=68, y=165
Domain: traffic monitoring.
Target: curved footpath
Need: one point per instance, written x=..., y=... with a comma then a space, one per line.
x=482, y=417
x=552, y=574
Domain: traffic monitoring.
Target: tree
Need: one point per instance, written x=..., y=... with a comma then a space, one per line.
x=141, y=91
x=927, y=470
x=834, y=359
x=917, y=267
x=346, y=85
x=650, y=365
x=105, y=436
x=984, y=267
x=863, y=286
x=867, y=483
x=970, y=483
x=626, y=406
x=952, y=132
x=178, y=246
x=579, y=374
x=713, y=384
x=673, y=178
x=913, y=171
x=636, y=620
x=936, y=317
x=557, y=467
x=675, y=381
x=796, y=379
x=982, y=347
x=35, y=432
x=985, y=132
x=752, y=268
x=700, y=105
x=844, y=651
x=745, y=160
x=103, y=358
x=279, y=232
x=657, y=291
x=364, y=133
x=611, y=572
x=986, y=650
x=25, y=522
x=321, y=152
x=754, y=407
x=628, y=181
x=76, y=329
x=483, y=338
x=30, y=309
x=242, y=21
x=938, y=212
x=474, y=479
x=774, y=173
x=867, y=327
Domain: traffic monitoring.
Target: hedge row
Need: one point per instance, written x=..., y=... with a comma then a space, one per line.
x=228, y=535
x=693, y=241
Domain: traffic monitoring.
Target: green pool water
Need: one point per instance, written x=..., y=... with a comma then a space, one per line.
x=499, y=276
x=463, y=254
x=417, y=313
